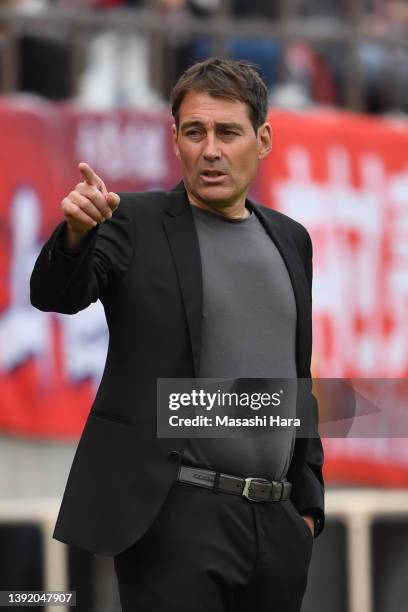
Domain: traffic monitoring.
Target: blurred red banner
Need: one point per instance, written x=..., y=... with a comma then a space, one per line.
x=345, y=177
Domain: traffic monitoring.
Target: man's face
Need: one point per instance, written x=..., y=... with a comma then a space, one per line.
x=218, y=148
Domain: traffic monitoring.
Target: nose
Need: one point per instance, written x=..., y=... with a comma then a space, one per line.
x=211, y=150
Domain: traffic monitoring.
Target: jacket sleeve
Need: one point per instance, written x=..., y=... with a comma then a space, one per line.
x=308, y=487
x=68, y=281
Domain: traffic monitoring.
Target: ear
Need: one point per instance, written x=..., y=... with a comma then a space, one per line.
x=174, y=134
x=264, y=140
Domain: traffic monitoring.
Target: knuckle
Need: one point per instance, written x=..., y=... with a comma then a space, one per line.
x=96, y=194
x=88, y=193
x=82, y=188
x=73, y=207
x=97, y=214
x=67, y=204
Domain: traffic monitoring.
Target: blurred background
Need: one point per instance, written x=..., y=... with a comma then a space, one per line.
x=89, y=81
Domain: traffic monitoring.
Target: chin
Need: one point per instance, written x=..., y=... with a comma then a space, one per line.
x=215, y=196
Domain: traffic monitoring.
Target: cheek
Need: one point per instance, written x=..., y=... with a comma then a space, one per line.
x=189, y=159
x=247, y=164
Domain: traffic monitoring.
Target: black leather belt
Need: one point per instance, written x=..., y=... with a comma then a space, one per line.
x=255, y=489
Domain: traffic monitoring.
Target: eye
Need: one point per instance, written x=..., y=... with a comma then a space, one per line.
x=193, y=133
x=229, y=133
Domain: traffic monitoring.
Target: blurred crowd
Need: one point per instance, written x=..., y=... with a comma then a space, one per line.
x=136, y=69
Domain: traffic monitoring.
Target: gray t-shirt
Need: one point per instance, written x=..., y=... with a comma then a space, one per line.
x=248, y=331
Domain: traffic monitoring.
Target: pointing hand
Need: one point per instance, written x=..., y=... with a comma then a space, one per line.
x=87, y=205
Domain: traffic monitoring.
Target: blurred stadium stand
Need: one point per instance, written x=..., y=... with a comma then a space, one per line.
x=129, y=52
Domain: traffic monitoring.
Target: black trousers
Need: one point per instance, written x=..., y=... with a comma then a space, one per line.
x=214, y=552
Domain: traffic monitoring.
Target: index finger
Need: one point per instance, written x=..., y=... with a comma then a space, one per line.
x=92, y=178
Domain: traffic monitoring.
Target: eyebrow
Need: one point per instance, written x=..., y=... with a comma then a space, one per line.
x=224, y=125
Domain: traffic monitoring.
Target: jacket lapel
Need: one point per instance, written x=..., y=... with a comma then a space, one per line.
x=296, y=271
x=182, y=236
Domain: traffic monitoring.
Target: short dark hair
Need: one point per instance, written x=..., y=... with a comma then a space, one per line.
x=221, y=78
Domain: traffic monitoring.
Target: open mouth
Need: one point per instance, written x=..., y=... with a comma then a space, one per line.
x=212, y=175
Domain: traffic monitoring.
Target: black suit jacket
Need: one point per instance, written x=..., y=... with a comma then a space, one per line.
x=144, y=265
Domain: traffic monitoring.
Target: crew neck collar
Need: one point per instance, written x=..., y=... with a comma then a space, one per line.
x=196, y=210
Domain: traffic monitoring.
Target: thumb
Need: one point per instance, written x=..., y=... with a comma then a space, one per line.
x=113, y=200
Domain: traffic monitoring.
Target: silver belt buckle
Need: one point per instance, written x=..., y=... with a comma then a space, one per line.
x=247, y=487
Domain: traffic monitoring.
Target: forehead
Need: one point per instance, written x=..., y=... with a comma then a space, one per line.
x=201, y=106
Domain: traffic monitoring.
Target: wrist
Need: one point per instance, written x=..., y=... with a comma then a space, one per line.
x=310, y=522
x=72, y=239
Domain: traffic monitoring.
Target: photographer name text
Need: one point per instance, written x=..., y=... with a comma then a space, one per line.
x=227, y=421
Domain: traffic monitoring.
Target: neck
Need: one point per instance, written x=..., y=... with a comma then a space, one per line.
x=234, y=211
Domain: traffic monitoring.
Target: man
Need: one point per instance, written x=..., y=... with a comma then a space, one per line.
x=196, y=282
